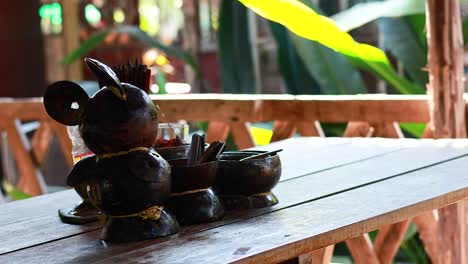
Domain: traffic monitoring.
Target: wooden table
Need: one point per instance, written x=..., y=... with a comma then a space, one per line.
x=331, y=190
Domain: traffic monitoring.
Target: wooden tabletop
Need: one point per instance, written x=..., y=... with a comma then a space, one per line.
x=331, y=189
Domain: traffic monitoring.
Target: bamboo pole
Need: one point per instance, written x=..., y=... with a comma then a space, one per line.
x=191, y=40
x=71, y=36
x=447, y=111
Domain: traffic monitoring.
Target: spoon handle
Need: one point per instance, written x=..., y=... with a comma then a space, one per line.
x=261, y=155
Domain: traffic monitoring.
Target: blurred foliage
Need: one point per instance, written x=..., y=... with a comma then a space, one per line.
x=306, y=23
x=14, y=192
x=98, y=38
x=234, y=49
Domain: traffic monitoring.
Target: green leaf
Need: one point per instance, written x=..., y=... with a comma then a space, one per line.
x=398, y=37
x=97, y=38
x=411, y=232
x=334, y=73
x=465, y=30
x=296, y=77
x=306, y=23
x=415, y=129
x=364, y=13
x=234, y=49
x=91, y=43
x=330, y=69
x=14, y=192
x=417, y=24
x=152, y=42
x=161, y=82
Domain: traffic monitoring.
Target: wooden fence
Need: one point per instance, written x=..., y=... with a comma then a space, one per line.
x=366, y=115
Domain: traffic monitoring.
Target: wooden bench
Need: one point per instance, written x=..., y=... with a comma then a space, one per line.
x=331, y=190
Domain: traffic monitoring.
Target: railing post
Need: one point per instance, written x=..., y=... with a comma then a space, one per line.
x=447, y=110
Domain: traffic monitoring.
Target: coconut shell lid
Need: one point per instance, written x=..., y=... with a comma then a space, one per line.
x=65, y=102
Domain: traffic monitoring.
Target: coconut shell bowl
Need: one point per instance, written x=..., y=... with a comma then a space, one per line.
x=192, y=198
x=246, y=184
x=125, y=179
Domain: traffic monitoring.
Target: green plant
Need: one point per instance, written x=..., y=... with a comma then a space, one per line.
x=98, y=38
x=306, y=23
x=14, y=192
x=234, y=49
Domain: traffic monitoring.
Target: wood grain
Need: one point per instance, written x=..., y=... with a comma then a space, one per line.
x=241, y=134
x=388, y=241
x=40, y=142
x=358, y=129
x=258, y=108
x=298, y=152
x=429, y=232
x=36, y=207
x=447, y=109
x=310, y=129
x=446, y=69
x=217, y=131
x=31, y=180
x=451, y=224
x=283, y=234
x=283, y=130
x=387, y=130
x=362, y=250
x=302, y=190
x=322, y=255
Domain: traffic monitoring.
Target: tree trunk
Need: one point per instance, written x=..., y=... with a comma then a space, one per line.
x=445, y=59
x=447, y=111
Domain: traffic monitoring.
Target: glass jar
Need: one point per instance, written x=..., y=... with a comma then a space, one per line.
x=171, y=135
x=79, y=149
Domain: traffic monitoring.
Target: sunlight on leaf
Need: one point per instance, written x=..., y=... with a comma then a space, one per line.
x=306, y=23
x=353, y=18
x=260, y=135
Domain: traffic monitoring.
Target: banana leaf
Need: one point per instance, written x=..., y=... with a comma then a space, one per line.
x=296, y=77
x=400, y=39
x=465, y=30
x=327, y=7
x=417, y=24
x=364, y=13
x=97, y=38
x=330, y=69
x=235, y=49
x=306, y=23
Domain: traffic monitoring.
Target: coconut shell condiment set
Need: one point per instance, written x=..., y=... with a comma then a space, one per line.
x=140, y=193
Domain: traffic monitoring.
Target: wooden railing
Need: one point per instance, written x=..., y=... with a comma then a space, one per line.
x=368, y=115
x=365, y=115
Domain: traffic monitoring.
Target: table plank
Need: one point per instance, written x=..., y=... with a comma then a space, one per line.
x=297, y=230
x=292, y=192
x=42, y=213
x=36, y=207
x=299, y=152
